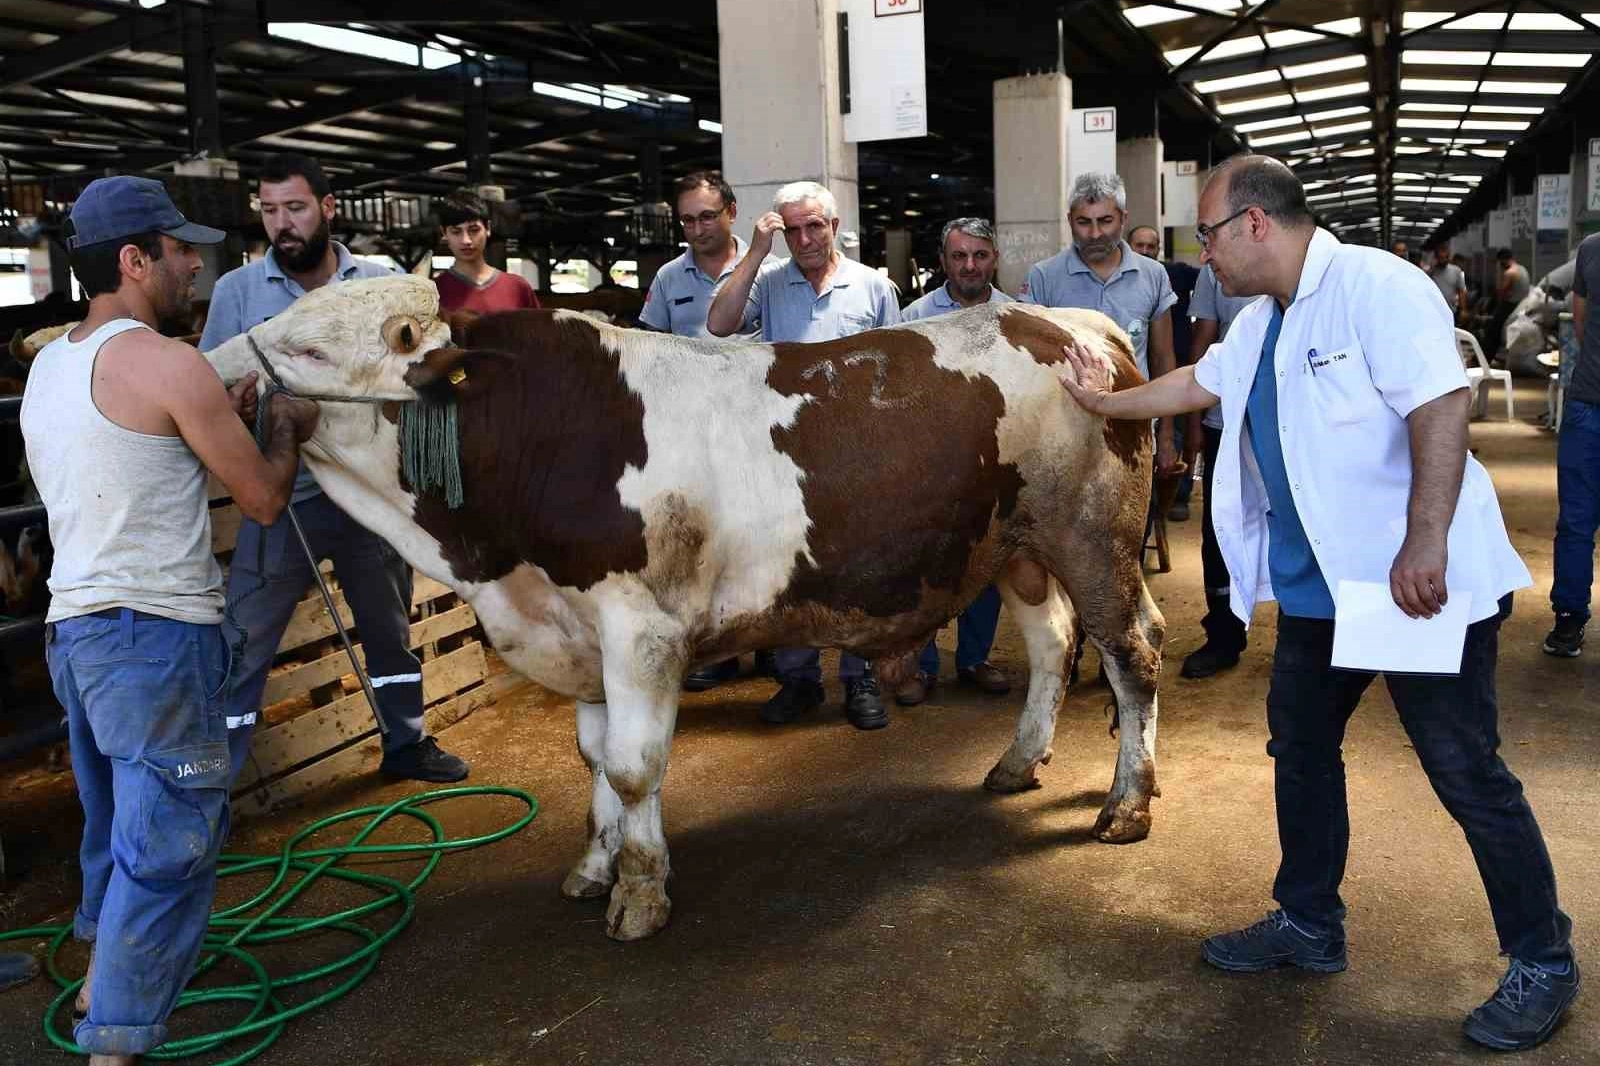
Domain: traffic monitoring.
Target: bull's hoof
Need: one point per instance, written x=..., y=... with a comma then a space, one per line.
x=636, y=914
x=1122, y=825
x=1006, y=780
x=580, y=885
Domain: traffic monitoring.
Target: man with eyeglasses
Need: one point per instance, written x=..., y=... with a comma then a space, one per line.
x=967, y=254
x=1103, y=273
x=471, y=284
x=1344, y=456
x=679, y=297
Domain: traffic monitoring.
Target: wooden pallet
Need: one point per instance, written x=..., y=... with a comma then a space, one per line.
x=316, y=726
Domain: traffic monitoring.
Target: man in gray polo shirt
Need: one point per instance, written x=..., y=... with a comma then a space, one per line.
x=270, y=573
x=967, y=254
x=1212, y=312
x=1451, y=280
x=1102, y=273
x=680, y=295
x=818, y=294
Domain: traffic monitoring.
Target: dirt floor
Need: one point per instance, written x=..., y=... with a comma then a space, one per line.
x=847, y=898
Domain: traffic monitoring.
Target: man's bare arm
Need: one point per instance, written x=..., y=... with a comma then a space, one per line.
x=1438, y=433
x=1088, y=380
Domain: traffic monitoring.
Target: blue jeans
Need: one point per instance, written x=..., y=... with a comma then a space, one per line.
x=1578, y=493
x=1452, y=724
x=148, y=735
x=805, y=664
x=974, y=634
x=270, y=574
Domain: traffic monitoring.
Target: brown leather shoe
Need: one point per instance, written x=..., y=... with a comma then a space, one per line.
x=919, y=688
x=988, y=679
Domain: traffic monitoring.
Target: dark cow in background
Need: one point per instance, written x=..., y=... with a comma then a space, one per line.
x=638, y=504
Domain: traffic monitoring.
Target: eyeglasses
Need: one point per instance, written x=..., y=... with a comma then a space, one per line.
x=1203, y=232
x=704, y=218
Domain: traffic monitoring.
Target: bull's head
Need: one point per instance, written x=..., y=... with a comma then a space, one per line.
x=356, y=339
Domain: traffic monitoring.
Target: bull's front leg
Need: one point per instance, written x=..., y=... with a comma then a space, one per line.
x=644, y=668
x=596, y=872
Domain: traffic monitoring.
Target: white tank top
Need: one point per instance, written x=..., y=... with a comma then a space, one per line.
x=129, y=514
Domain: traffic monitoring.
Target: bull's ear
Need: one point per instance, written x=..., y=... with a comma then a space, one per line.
x=446, y=373
x=460, y=324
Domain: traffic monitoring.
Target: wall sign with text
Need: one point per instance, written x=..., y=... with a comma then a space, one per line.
x=885, y=8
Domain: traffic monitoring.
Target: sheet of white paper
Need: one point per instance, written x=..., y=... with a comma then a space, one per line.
x=1371, y=633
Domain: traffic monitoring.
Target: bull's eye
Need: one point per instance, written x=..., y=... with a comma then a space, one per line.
x=402, y=334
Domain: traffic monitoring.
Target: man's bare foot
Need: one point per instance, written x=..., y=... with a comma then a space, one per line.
x=81, y=1007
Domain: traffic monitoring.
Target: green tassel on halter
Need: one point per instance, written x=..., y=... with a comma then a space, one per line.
x=430, y=449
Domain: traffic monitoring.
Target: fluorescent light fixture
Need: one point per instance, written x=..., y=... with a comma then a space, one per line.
x=1348, y=127
x=1357, y=152
x=1254, y=103
x=1281, y=138
x=1489, y=153
x=1457, y=140
x=1326, y=66
x=1428, y=57
x=1437, y=85
x=1493, y=124
x=1434, y=107
x=1438, y=123
x=1250, y=44
x=1344, y=27
x=1523, y=88
x=1573, y=60
x=1266, y=124
x=1330, y=92
x=1238, y=81
x=371, y=45
x=1154, y=14
x=563, y=92
x=1504, y=109
x=439, y=146
x=716, y=127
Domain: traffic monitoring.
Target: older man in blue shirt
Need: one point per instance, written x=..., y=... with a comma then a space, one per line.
x=1102, y=272
x=270, y=572
x=818, y=294
x=967, y=254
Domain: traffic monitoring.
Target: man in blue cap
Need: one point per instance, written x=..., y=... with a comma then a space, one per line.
x=121, y=426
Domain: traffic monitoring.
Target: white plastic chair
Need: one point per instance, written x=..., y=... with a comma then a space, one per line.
x=1480, y=374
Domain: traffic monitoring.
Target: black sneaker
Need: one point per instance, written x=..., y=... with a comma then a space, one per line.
x=863, y=703
x=423, y=761
x=1272, y=942
x=1566, y=639
x=1206, y=660
x=1525, y=1009
x=709, y=677
x=793, y=699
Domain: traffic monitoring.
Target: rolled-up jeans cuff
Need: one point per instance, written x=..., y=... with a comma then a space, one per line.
x=84, y=927
x=119, y=1039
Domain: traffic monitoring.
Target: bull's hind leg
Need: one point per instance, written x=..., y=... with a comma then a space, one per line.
x=1044, y=614
x=644, y=665
x=1127, y=628
x=596, y=872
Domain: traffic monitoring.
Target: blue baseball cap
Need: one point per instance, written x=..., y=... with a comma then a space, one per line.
x=123, y=206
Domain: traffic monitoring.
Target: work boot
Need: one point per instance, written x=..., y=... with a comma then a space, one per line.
x=17, y=968
x=1566, y=639
x=795, y=698
x=709, y=677
x=914, y=691
x=1272, y=942
x=986, y=678
x=1206, y=660
x=863, y=704
x=1526, y=1008
x=423, y=761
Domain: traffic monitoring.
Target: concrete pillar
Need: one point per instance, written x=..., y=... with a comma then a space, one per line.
x=779, y=73
x=897, y=257
x=1030, y=172
x=1139, y=164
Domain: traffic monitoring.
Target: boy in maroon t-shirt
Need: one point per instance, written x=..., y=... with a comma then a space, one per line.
x=472, y=284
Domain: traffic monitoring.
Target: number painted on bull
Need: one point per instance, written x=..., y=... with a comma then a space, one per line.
x=880, y=379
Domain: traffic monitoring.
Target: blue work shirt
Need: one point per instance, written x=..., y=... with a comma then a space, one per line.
x=940, y=302
x=244, y=298
x=856, y=298
x=1297, y=581
x=681, y=293
x=1137, y=295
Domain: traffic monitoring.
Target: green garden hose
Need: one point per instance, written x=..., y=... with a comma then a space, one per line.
x=233, y=930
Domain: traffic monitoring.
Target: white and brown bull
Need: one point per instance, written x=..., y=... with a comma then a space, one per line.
x=638, y=504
